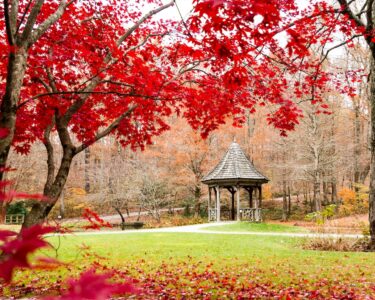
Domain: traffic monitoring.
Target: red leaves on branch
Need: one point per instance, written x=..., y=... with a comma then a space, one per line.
x=232, y=56
x=15, y=249
x=95, y=221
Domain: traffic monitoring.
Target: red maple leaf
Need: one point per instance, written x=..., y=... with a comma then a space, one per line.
x=95, y=221
x=15, y=252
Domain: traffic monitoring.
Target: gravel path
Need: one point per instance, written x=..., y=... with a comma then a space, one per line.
x=199, y=228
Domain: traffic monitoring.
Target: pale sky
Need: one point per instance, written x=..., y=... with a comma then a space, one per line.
x=185, y=7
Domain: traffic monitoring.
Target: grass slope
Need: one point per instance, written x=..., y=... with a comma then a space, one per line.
x=176, y=260
x=268, y=253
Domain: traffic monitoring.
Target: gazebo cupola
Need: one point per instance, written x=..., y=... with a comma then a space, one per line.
x=235, y=171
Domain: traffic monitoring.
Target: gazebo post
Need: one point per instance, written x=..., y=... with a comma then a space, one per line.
x=250, y=190
x=217, y=203
x=232, y=191
x=238, y=202
x=260, y=196
x=209, y=203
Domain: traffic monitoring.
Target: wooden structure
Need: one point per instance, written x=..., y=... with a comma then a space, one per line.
x=235, y=171
x=15, y=219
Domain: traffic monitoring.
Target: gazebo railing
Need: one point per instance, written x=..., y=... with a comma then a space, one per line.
x=251, y=214
x=212, y=214
x=225, y=214
x=14, y=219
x=246, y=214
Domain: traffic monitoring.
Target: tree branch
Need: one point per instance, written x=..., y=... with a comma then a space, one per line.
x=8, y=25
x=87, y=93
x=338, y=46
x=53, y=18
x=13, y=17
x=23, y=15
x=95, y=80
x=146, y=39
x=370, y=23
x=106, y=131
x=347, y=10
x=31, y=20
x=141, y=20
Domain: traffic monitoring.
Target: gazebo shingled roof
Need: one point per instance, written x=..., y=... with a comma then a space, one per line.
x=235, y=167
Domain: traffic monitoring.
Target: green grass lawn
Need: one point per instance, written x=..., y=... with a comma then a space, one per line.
x=256, y=227
x=182, y=262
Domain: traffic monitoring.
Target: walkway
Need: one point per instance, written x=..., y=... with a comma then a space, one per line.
x=199, y=228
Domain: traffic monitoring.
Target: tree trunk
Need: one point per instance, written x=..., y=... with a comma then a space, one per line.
x=197, y=200
x=334, y=191
x=372, y=148
x=285, y=203
x=357, y=148
x=62, y=205
x=289, y=202
x=15, y=75
x=139, y=213
x=325, y=189
x=40, y=210
x=122, y=218
x=87, y=170
x=317, y=200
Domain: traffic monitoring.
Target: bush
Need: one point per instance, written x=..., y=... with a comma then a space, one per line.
x=353, y=203
x=17, y=208
x=321, y=216
x=336, y=244
x=176, y=220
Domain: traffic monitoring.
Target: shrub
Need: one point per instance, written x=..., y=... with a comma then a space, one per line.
x=336, y=244
x=352, y=202
x=176, y=220
x=17, y=208
x=321, y=216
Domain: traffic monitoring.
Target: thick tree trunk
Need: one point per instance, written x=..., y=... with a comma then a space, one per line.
x=15, y=74
x=41, y=209
x=372, y=164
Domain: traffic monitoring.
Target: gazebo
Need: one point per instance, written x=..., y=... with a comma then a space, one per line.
x=235, y=171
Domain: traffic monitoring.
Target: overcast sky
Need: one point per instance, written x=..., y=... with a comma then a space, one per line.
x=185, y=7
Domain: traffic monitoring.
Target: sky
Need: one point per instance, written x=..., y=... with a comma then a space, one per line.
x=185, y=7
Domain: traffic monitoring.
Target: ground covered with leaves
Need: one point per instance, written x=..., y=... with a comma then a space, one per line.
x=205, y=266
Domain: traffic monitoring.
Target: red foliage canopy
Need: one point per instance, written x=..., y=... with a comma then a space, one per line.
x=274, y=52
x=103, y=68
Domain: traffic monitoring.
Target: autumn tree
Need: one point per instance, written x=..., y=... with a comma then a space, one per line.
x=89, y=77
